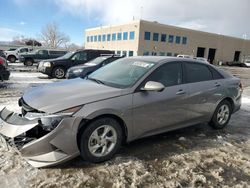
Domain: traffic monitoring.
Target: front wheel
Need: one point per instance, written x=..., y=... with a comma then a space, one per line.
x=58, y=72
x=28, y=62
x=221, y=115
x=12, y=59
x=100, y=140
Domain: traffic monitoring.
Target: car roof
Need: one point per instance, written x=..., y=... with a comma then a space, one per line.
x=160, y=59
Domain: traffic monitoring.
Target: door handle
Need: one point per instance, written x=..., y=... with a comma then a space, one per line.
x=217, y=84
x=180, y=92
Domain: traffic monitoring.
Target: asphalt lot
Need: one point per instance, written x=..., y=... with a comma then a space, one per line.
x=190, y=157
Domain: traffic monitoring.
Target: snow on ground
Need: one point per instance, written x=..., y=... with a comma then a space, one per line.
x=197, y=156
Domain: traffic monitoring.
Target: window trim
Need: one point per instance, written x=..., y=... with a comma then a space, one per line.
x=185, y=72
x=138, y=89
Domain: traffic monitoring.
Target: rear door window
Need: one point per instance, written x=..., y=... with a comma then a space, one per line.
x=196, y=72
x=216, y=74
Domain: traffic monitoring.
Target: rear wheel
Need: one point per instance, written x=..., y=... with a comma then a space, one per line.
x=58, y=72
x=12, y=59
x=28, y=62
x=221, y=115
x=100, y=140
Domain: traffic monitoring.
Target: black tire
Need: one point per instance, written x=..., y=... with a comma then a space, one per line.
x=29, y=62
x=215, y=121
x=58, y=72
x=12, y=59
x=85, y=140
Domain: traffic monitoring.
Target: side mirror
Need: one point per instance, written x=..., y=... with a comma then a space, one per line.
x=153, y=86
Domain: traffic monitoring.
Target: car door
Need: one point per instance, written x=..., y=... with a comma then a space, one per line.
x=79, y=58
x=204, y=91
x=42, y=54
x=154, y=112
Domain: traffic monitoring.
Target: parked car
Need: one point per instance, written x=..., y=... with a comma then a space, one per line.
x=4, y=72
x=91, y=66
x=2, y=54
x=126, y=100
x=12, y=55
x=201, y=59
x=236, y=64
x=29, y=59
x=185, y=56
x=57, y=68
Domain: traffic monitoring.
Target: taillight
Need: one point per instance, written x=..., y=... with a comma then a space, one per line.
x=1, y=61
x=241, y=87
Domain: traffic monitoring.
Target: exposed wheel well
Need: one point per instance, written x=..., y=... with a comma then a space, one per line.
x=85, y=123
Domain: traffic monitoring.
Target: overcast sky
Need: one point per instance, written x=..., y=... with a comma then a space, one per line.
x=229, y=17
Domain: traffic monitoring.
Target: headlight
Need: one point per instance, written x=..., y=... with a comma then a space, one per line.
x=70, y=111
x=77, y=70
x=47, y=64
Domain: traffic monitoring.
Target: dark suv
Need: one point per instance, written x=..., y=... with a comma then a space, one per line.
x=91, y=66
x=57, y=68
x=29, y=59
x=4, y=72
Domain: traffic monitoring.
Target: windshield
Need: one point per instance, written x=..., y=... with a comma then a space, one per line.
x=67, y=55
x=96, y=61
x=122, y=73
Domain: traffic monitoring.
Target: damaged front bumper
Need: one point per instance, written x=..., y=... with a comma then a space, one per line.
x=43, y=140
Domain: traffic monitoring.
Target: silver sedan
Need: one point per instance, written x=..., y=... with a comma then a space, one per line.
x=126, y=100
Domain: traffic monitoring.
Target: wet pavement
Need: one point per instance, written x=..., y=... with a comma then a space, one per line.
x=197, y=156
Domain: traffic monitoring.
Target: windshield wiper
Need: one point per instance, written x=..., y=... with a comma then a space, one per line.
x=95, y=80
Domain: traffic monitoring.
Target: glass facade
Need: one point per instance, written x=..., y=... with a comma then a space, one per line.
x=119, y=36
x=99, y=38
x=177, y=39
x=130, y=53
x=114, y=36
x=103, y=37
x=108, y=37
x=125, y=35
x=146, y=53
x=155, y=36
x=169, y=54
x=171, y=38
x=147, y=35
x=131, y=35
x=95, y=38
x=163, y=37
x=184, y=40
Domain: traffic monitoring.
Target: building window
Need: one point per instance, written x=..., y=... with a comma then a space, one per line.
x=146, y=53
x=91, y=39
x=119, y=36
x=108, y=37
x=184, y=40
x=130, y=53
x=104, y=37
x=118, y=52
x=169, y=54
x=131, y=35
x=99, y=38
x=147, y=35
x=87, y=38
x=155, y=36
x=171, y=38
x=154, y=53
x=95, y=38
x=162, y=53
x=163, y=37
x=124, y=53
x=125, y=35
x=114, y=36
x=177, y=39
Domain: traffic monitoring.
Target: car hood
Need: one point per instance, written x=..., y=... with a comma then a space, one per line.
x=55, y=97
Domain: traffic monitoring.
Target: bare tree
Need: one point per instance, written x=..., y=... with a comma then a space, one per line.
x=52, y=37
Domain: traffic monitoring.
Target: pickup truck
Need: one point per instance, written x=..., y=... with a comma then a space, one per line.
x=29, y=59
x=12, y=55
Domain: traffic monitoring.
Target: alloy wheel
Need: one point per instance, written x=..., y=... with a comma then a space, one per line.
x=102, y=141
x=223, y=114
